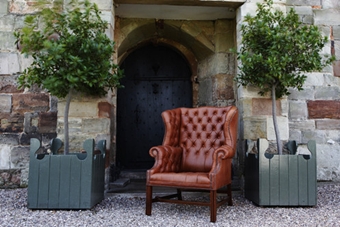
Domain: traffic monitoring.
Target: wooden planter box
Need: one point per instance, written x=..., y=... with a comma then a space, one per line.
x=281, y=180
x=74, y=181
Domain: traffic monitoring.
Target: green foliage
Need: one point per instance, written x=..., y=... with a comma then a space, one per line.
x=277, y=50
x=70, y=50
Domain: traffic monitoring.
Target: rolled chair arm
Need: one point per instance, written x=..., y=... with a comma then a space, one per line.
x=222, y=165
x=167, y=159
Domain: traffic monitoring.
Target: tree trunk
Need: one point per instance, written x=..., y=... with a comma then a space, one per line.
x=276, y=127
x=66, y=130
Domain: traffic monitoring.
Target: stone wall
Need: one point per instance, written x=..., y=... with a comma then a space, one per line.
x=33, y=112
x=309, y=114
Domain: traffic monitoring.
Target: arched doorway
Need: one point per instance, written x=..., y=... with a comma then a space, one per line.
x=157, y=78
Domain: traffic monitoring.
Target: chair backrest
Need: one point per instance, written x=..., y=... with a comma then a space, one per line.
x=200, y=131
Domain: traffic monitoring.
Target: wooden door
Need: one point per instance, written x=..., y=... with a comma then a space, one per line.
x=156, y=78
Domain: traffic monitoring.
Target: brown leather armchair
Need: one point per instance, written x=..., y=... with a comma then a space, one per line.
x=197, y=151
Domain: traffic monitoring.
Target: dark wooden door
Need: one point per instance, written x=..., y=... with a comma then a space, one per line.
x=156, y=78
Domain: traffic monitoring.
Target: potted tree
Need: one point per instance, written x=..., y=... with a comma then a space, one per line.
x=71, y=54
x=277, y=50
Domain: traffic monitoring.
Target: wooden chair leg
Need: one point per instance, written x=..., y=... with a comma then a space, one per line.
x=148, y=200
x=230, y=200
x=179, y=194
x=213, y=205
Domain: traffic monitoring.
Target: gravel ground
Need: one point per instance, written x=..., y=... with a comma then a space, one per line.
x=129, y=209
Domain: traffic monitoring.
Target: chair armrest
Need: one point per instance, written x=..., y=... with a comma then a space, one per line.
x=222, y=158
x=167, y=159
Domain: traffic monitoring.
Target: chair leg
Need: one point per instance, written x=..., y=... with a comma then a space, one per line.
x=148, y=200
x=230, y=201
x=213, y=205
x=179, y=194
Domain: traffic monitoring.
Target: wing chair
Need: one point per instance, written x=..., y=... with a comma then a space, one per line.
x=197, y=151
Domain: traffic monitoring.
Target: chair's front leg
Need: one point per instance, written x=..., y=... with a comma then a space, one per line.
x=213, y=205
x=148, y=200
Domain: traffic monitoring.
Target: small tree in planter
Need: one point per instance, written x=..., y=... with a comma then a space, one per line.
x=276, y=51
x=71, y=52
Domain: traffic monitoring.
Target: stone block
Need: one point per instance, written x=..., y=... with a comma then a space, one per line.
x=79, y=109
x=328, y=157
x=96, y=125
x=295, y=135
x=336, y=68
x=324, y=109
x=326, y=17
x=298, y=110
x=30, y=102
x=314, y=79
x=336, y=32
x=327, y=93
x=302, y=10
x=19, y=157
x=245, y=104
x=282, y=125
x=5, y=156
x=255, y=127
x=47, y=122
x=9, y=138
x=303, y=2
x=3, y=7
x=318, y=135
x=305, y=94
x=12, y=123
x=9, y=63
x=30, y=122
x=105, y=110
x=302, y=125
x=263, y=106
x=327, y=124
x=5, y=103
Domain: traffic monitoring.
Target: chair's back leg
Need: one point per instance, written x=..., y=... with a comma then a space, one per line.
x=213, y=205
x=148, y=200
x=230, y=200
x=179, y=194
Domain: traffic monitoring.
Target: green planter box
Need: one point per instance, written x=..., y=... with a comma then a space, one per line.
x=74, y=181
x=281, y=180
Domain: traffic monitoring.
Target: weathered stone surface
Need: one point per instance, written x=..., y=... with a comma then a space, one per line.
x=318, y=135
x=9, y=138
x=336, y=68
x=282, y=125
x=10, y=178
x=96, y=125
x=30, y=102
x=19, y=157
x=9, y=63
x=3, y=7
x=47, y=122
x=304, y=2
x=305, y=94
x=324, y=109
x=5, y=156
x=328, y=156
x=298, y=110
x=302, y=125
x=326, y=17
x=79, y=109
x=264, y=107
x=295, y=135
x=255, y=128
x=5, y=103
x=327, y=124
x=105, y=109
x=12, y=123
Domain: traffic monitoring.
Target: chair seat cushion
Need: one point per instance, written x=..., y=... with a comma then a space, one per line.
x=183, y=179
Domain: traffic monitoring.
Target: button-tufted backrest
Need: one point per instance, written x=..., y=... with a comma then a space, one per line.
x=200, y=131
